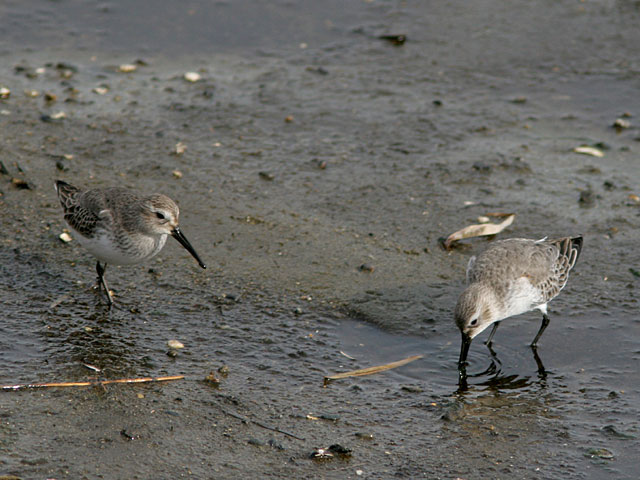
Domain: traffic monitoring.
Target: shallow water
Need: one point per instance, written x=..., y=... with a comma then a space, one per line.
x=368, y=170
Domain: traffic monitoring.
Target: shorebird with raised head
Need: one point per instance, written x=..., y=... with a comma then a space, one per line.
x=119, y=226
x=509, y=278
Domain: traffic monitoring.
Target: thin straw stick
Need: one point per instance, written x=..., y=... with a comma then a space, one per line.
x=371, y=370
x=89, y=383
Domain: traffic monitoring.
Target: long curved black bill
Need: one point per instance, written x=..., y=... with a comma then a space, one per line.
x=179, y=236
x=462, y=362
x=464, y=350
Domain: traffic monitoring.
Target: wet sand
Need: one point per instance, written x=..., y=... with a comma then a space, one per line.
x=314, y=148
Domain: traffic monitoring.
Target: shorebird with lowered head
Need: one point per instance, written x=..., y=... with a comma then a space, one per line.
x=119, y=226
x=512, y=277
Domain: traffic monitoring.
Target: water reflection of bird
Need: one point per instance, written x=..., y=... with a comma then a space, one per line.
x=119, y=226
x=509, y=278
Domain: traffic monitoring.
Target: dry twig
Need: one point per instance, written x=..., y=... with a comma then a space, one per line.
x=371, y=370
x=88, y=383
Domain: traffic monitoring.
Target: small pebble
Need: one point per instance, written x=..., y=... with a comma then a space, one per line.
x=397, y=40
x=288, y=119
x=100, y=90
x=180, y=148
x=175, y=344
x=177, y=173
x=127, y=68
x=21, y=184
x=365, y=267
x=192, y=77
x=212, y=379
x=65, y=237
x=50, y=97
x=602, y=453
x=4, y=93
x=321, y=164
x=621, y=123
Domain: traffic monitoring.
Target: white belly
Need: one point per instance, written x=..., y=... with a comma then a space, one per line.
x=521, y=297
x=140, y=248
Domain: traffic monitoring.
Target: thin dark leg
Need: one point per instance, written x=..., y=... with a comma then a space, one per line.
x=545, y=322
x=542, y=373
x=101, y=269
x=493, y=332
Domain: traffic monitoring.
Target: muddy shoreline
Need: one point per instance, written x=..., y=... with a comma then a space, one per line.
x=321, y=165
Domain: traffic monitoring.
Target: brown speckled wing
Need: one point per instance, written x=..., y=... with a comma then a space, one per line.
x=546, y=264
x=566, y=252
x=82, y=210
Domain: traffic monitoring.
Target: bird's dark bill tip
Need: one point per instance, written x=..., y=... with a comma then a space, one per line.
x=179, y=236
x=464, y=351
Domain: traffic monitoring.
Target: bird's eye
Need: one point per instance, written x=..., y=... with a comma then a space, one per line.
x=160, y=215
x=473, y=322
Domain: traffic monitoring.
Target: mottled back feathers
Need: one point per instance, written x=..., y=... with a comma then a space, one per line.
x=545, y=263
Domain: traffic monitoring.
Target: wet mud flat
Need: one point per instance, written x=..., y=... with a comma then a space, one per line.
x=316, y=168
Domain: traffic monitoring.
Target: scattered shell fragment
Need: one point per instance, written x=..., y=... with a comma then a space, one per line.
x=479, y=230
x=634, y=198
x=31, y=93
x=175, y=344
x=21, y=184
x=397, y=39
x=177, y=173
x=5, y=92
x=192, y=77
x=336, y=449
x=127, y=68
x=483, y=219
x=586, y=150
x=100, y=90
x=212, y=379
x=65, y=237
x=180, y=148
x=602, y=453
x=621, y=123
x=59, y=115
x=5, y=112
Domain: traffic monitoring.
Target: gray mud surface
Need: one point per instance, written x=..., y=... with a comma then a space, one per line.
x=314, y=148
